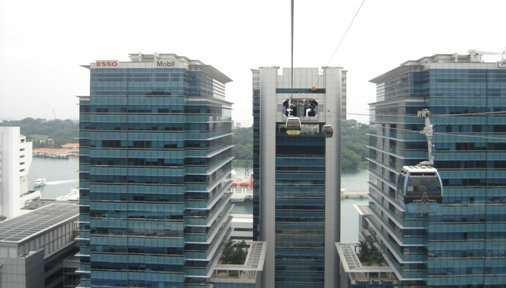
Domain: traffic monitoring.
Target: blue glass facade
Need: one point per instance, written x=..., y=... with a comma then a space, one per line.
x=155, y=162
x=300, y=210
x=462, y=244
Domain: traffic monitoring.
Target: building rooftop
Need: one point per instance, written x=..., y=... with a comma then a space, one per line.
x=472, y=60
x=362, y=209
x=176, y=61
x=242, y=273
x=358, y=272
x=70, y=145
x=353, y=264
x=19, y=229
x=53, y=150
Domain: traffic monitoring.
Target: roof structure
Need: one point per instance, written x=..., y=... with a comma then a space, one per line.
x=254, y=261
x=19, y=229
x=358, y=273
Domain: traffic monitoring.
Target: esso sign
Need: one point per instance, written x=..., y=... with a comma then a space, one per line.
x=107, y=63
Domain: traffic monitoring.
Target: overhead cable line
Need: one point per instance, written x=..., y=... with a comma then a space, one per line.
x=291, y=47
x=345, y=32
x=498, y=113
x=469, y=114
x=474, y=135
x=342, y=38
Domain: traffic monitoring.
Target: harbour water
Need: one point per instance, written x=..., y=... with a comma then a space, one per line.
x=63, y=175
x=356, y=181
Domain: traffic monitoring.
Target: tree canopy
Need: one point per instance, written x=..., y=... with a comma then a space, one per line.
x=243, y=149
x=234, y=252
x=369, y=254
x=41, y=130
x=353, y=146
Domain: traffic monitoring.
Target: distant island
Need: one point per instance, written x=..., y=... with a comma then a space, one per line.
x=47, y=133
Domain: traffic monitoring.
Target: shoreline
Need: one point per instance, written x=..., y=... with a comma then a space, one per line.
x=354, y=194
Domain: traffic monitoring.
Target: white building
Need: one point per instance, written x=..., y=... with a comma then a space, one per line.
x=15, y=161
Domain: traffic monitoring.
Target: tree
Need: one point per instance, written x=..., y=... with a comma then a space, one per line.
x=364, y=250
x=228, y=251
x=354, y=141
x=350, y=161
x=369, y=254
x=234, y=253
x=243, y=146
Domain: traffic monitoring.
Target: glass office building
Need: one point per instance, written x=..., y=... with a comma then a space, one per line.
x=463, y=242
x=155, y=163
x=296, y=177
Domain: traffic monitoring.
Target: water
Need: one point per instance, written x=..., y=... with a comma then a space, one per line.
x=355, y=181
x=349, y=215
x=62, y=176
x=242, y=208
x=349, y=181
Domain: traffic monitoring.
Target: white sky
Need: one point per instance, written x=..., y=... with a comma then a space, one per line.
x=42, y=43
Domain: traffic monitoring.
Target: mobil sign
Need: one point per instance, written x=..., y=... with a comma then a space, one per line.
x=165, y=63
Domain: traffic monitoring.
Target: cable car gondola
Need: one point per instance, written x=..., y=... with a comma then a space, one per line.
x=293, y=126
x=327, y=131
x=419, y=189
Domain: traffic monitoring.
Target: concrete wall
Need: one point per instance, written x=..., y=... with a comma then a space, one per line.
x=24, y=272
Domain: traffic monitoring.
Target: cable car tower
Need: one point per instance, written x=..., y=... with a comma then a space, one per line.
x=293, y=122
x=419, y=187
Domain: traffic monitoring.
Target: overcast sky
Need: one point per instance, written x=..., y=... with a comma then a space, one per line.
x=43, y=43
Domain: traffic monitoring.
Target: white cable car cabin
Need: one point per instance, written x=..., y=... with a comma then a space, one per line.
x=293, y=125
x=419, y=185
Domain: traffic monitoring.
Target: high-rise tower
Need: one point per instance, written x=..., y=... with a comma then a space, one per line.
x=463, y=242
x=297, y=184
x=15, y=161
x=155, y=163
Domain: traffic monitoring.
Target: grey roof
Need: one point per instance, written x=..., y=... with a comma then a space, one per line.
x=351, y=263
x=213, y=72
x=26, y=226
x=194, y=64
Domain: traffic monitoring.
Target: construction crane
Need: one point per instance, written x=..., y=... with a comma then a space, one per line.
x=52, y=109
